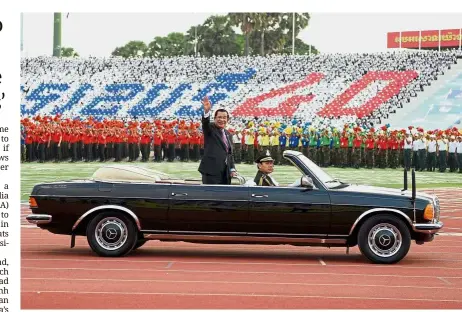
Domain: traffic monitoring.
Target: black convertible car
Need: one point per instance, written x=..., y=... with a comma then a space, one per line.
x=120, y=208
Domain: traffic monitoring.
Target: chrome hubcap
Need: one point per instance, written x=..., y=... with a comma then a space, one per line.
x=384, y=240
x=111, y=233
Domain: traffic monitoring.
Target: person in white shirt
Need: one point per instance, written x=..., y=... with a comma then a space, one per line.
x=452, y=154
x=422, y=152
x=431, y=156
x=442, y=152
x=415, y=152
x=459, y=152
x=407, y=151
x=237, y=137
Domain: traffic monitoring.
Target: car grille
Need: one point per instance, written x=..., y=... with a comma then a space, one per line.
x=437, y=209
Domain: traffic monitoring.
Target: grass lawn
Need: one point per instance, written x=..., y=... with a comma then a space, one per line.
x=35, y=173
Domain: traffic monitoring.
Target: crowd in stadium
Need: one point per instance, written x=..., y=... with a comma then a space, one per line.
x=331, y=129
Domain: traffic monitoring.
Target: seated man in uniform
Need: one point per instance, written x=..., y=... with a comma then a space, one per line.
x=265, y=164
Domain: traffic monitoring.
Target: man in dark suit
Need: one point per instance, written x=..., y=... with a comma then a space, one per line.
x=217, y=164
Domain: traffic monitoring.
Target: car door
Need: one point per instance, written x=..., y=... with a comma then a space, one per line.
x=149, y=202
x=289, y=210
x=208, y=208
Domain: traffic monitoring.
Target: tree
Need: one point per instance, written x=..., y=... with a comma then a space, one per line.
x=175, y=44
x=265, y=23
x=68, y=52
x=131, y=49
x=268, y=32
x=246, y=22
x=301, y=48
x=216, y=37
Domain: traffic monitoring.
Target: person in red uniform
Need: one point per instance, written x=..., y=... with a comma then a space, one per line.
x=145, y=143
x=344, y=149
x=171, y=140
x=184, y=142
x=30, y=137
x=370, y=144
x=158, y=139
x=102, y=144
x=382, y=144
x=393, y=147
x=357, y=150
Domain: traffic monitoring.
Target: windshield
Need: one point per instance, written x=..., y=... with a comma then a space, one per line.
x=318, y=172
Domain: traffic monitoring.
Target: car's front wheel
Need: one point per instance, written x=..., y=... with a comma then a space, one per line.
x=111, y=234
x=384, y=239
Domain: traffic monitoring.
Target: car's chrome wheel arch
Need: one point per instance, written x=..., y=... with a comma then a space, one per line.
x=374, y=211
x=103, y=208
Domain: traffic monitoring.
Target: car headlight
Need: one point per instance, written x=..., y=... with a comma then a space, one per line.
x=428, y=212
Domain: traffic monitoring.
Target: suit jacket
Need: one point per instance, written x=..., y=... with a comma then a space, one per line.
x=216, y=158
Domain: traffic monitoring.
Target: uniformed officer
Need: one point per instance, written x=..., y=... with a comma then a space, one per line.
x=452, y=159
x=265, y=164
x=442, y=152
x=431, y=153
x=408, y=146
x=459, y=152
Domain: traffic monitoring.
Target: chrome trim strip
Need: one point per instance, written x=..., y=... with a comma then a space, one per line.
x=108, y=207
x=39, y=218
x=138, y=198
x=376, y=210
x=240, y=233
x=219, y=238
x=370, y=206
x=429, y=228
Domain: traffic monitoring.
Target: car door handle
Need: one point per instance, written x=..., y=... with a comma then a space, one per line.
x=179, y=194
x=259, y=196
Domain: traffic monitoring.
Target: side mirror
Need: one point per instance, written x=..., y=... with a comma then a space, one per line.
x=307, y=182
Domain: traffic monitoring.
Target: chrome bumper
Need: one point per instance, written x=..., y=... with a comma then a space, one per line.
x=429, y=228
x=38, y=218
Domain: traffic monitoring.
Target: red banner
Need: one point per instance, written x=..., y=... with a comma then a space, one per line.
x=450, y=37
x=410, y=39
x=393, y=40
x=428, y=39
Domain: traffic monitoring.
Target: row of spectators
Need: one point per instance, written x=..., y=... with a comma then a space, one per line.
x=51, y=139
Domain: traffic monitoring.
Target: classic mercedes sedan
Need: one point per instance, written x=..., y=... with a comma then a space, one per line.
x=118, y=209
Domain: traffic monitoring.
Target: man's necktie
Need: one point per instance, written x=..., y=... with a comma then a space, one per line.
x=225, y=140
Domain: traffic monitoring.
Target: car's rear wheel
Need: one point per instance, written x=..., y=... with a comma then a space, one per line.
x=384, y=239
x=111, y=234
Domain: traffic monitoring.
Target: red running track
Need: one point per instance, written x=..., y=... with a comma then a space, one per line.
x=189, y=276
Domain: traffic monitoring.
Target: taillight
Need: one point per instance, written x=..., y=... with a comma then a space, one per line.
x=428, y=212
x=32, y=202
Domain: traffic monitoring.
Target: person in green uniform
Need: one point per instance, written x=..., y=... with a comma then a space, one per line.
x=363, y=149
x=351, y=138
x=325, y=149
x=336, y=149
x=265, y=164
x=312, y=149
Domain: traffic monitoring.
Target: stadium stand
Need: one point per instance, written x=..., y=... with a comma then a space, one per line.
x=325, y=90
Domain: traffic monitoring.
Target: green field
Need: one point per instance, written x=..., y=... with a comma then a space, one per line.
x=35, y=173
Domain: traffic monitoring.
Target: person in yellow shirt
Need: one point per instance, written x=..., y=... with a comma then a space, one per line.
x=249, y=142
x=274, y=146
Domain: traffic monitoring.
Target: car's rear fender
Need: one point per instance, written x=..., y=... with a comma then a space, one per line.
x=83, y=219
